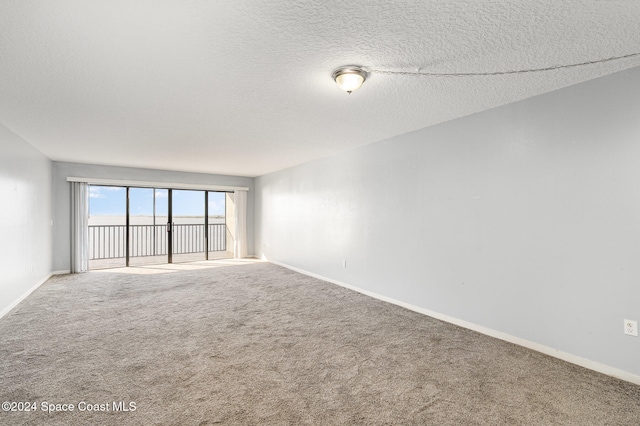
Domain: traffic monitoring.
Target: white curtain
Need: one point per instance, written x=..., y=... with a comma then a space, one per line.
x=240, y=242
x=79, y=227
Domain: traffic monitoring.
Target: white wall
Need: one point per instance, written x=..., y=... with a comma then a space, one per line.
x=62, y=200
x=524, y=219
x=25, y=218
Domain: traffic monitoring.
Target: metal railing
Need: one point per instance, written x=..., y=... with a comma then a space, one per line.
x=108, y=241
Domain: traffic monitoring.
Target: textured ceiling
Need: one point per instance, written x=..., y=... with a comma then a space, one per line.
x=244, y=87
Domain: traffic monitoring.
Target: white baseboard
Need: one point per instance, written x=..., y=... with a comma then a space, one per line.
x=8, y=309
x=62, y=272
x=573, y=359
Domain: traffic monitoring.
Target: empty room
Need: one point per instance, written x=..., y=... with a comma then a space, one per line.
x=296, y=212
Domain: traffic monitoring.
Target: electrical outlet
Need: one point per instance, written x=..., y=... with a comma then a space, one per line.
x=631, y=327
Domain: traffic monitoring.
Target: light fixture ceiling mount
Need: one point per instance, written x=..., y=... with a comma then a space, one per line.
x=350, y=77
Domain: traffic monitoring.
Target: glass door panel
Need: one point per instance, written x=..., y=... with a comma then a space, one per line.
x=188, y=226
x=107, y=226
x=161, y=215
x=147, y=227
x=217, y=226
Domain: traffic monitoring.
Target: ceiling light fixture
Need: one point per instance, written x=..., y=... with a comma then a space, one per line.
x=350, y=77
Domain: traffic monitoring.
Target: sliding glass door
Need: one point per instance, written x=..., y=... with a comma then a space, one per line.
x=131, y=226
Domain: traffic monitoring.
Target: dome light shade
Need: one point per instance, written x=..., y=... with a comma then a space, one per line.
x=350, y=78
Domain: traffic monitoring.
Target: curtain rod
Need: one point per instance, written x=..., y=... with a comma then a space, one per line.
x=147, y=184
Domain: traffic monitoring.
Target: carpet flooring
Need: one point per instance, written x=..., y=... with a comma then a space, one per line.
x=254, y=343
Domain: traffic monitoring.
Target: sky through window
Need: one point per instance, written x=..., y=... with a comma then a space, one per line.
x=111, y=201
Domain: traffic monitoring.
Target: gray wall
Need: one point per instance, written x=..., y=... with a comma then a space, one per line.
x=25, y=217
x=524, y=219
x=62, y=196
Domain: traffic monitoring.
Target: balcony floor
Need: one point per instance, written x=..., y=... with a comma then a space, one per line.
x=156, y=260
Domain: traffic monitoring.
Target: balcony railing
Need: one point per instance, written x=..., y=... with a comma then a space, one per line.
x=108, y=241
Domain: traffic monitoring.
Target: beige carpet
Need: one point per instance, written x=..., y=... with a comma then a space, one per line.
x=259, y=344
